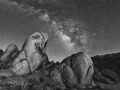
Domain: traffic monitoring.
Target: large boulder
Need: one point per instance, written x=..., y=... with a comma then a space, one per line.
x=32, y=54
x=9, y=52
x=29, y=58
x=34, y=48
x=82, y=65
x=20, y=64
x=69, y=77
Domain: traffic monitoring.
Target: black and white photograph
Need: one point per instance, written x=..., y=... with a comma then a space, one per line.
x=59, y=44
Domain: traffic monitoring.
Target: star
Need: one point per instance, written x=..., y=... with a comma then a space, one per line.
x=94, y=34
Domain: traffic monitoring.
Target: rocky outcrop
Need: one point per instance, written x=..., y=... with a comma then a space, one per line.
x=30, y=69
x=82, y=65
x=109, y=61
x=31, y=55
x=29, y=58
x=107, y=75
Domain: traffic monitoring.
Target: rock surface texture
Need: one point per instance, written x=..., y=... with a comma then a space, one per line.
x=30, y=69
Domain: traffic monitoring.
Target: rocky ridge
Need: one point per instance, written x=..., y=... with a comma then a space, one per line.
x=30, y=69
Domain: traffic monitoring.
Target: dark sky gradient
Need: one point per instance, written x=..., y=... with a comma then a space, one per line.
x=99, y=22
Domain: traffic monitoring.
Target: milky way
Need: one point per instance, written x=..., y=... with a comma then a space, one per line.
x=73, y=25
x=71, y=33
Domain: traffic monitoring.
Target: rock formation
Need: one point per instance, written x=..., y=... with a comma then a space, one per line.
x=82, y=66
x=30, y=69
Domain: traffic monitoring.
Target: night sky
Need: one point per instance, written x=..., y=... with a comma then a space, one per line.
x=91, y=26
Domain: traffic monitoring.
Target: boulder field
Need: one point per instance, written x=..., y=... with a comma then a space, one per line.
x=30, y=69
